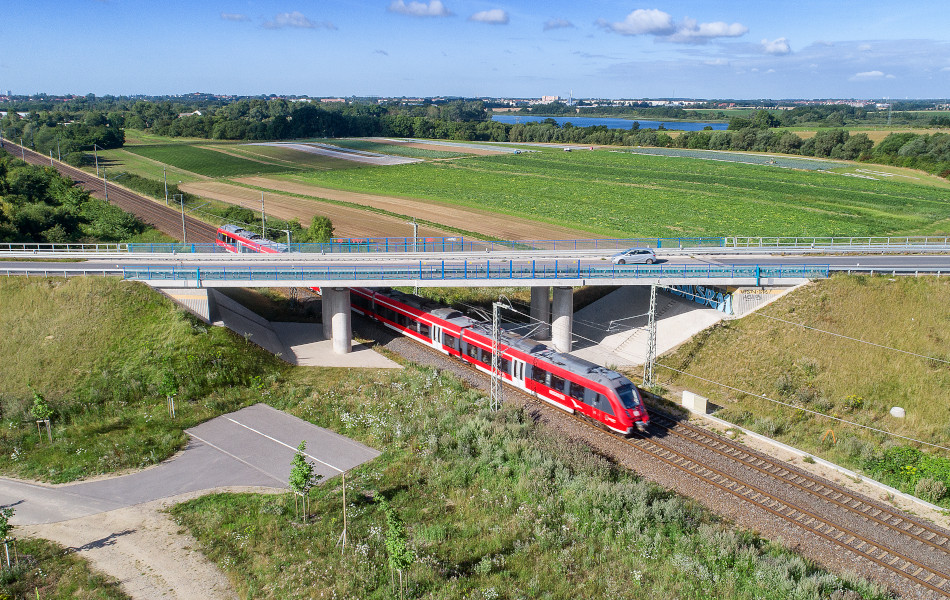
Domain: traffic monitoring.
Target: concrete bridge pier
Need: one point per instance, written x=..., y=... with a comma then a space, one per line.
x=336, y=318
x=541, y=312
x=563, y=318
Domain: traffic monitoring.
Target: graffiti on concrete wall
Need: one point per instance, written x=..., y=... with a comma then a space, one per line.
x=712, y=297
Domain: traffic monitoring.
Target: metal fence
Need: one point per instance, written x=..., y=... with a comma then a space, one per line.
x=838, y=242
x=503, y=270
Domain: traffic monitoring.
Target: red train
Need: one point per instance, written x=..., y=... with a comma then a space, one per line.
x=235, y=239
x=569, y=383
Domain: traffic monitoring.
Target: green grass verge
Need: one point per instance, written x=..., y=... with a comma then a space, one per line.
x=622, y=194
x=292, y=158
x=203, y=161
x=836, y=376
x=51, y=572
x=104, y=353
x=126, y=161
x=494, y=506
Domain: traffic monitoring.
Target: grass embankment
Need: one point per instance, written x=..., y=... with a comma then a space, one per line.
x=837, y=376
x=494, y=506
x=623, y=194
x=105, y=353
x=50, y=572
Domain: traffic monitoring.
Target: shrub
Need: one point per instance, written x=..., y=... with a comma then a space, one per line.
x=932, y=490
x=853, y=402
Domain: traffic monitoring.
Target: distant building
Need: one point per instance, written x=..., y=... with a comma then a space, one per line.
x=196, y=113
x=549, y=99
x=333, y=100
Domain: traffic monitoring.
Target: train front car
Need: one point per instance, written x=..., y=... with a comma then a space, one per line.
x=595, y=392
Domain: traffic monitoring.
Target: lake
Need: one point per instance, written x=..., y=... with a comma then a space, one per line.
x=610, y=123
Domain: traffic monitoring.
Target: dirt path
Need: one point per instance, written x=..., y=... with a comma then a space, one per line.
x=484, y=222
x=145, y=550
x=347, y=222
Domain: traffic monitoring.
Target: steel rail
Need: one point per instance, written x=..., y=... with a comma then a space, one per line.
x=816, y=486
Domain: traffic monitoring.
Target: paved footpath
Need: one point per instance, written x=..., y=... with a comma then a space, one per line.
x=117, y=522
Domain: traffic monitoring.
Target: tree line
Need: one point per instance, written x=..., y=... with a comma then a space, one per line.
x=39, y=205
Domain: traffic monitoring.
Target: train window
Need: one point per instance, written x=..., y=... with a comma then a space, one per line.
x=628, y=397
x=599, y=402
x=424, y=328
x=450, y=340
x=505, y=365
x=557, y=383
x=540, y=375
x=577, y=391
x=472, y=351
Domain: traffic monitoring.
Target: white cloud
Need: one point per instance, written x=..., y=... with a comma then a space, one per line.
x=658, y=23
x=296, y=20
x=557, y=24
x=778, y=46
x=864, y=48
x=691, y=32
x=867, y=76
x=642, y=21
x=945, y=70
x=234, y=17
x=717, y=62
x=434, y=8
x=495, y=16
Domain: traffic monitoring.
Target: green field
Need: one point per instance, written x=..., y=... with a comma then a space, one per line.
x=206, y=162
x=622, y=194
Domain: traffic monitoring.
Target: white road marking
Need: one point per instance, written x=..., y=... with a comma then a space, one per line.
x=237, y=458
x=338, y=470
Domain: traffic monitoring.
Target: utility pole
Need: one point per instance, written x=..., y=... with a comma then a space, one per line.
x=105, y=182
x=58, y=153
x=51, y=158
x=23, y=152
x=263, y=220
x=96, y=153
x=651, y=342
x=181, y=197
x=165, y=177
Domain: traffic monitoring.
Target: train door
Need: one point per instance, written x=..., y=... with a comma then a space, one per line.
x=435, y=334
x=517, y=372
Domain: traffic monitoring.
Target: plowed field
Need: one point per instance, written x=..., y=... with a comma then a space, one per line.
x=354, y=222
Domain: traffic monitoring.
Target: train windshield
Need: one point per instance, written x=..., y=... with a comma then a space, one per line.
x=628, y=397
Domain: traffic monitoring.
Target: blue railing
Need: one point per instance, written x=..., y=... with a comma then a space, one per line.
x=504, y=270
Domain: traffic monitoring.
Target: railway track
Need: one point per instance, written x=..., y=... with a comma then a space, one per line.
x=164, y=218
x=897, y=549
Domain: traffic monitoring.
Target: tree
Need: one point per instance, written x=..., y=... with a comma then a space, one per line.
x=5, y=528
x=320, y=231
x=400, y=555
x=41, y=412
x=302, y=478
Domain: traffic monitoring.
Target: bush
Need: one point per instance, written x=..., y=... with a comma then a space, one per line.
x=931, y=490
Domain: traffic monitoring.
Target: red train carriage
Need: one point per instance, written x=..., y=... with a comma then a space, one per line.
x=235, y=239
x=567, y=382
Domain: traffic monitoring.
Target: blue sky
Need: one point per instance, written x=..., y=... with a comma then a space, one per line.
x=595, y=48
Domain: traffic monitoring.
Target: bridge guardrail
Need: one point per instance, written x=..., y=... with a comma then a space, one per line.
x=506, y=271
x=459, y=244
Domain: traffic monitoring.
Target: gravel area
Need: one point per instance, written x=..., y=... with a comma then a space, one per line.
x=744, y=513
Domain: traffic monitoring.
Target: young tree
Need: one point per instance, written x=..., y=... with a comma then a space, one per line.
x=400, y=555
x=5, y=528
x=302, y=478
x=41, y=412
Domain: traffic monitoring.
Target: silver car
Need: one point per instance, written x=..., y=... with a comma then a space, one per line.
x=634, y=255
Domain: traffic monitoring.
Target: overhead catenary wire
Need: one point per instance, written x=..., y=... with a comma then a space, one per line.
x=854, y=339
x=808, y=410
